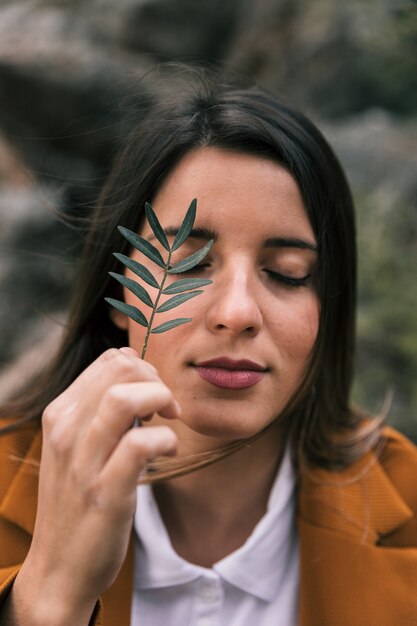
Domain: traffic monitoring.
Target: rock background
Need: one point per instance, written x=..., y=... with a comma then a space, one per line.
x=67, y=73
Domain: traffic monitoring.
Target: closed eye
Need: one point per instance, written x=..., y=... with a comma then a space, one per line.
x=289, y=281
x=277, y=277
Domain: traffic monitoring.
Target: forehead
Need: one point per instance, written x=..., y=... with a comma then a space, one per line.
x=241, y=191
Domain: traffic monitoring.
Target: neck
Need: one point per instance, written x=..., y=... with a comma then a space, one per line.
x=221, y=503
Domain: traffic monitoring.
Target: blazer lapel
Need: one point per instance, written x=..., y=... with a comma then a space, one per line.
x=117, y=600
x=346, y=577
x=19, y=502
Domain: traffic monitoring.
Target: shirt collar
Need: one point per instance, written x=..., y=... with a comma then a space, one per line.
x=160, y=565
x=258, y=567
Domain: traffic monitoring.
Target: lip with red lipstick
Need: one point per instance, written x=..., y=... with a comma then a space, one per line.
x=229, y=373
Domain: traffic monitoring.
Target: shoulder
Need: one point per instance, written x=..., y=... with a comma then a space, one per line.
x=375, y=497
x=397, y=447
x=398, y=459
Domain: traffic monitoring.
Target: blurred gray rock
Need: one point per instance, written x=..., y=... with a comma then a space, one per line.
x=36, y=345
x=379, y=153
x=61, y=92
x=37, y=252
x=182, y=29
x=332, y=58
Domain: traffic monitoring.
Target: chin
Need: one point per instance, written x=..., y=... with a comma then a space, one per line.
x=224, y=429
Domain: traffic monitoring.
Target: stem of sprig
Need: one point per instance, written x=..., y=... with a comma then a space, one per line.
x=149, y=328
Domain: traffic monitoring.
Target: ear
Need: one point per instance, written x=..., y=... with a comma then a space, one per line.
x=118, y=318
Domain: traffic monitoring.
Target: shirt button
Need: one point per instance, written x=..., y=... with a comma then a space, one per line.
x=208, y=593
x=204, y=621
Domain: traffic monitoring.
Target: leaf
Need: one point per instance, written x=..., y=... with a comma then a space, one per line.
x=186, y=226
x=171, y=324
x=134, y=287
x=142, y=245
x=177, y=300
x=191, y=261
x=186, y=284
x=156, y=226
x=138, y=269
x=129, y=310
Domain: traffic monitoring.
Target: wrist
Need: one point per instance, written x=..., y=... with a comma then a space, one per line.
x=34, y=602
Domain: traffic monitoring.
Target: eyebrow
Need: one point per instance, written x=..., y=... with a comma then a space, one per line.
x=293, y=242
x=196, y=233
x=206, y=234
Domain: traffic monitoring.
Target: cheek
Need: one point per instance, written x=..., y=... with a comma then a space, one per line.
x=136, y=334
x=159, y=345
x=296, y=328
x=310, y=321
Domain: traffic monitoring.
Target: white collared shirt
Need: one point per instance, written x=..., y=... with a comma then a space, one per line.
x=256, y=585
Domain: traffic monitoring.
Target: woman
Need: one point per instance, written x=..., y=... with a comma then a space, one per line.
x=299, y=504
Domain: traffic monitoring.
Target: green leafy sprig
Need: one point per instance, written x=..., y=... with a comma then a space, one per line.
x=181, y=290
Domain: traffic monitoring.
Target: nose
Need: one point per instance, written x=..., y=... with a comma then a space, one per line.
x=234, y=307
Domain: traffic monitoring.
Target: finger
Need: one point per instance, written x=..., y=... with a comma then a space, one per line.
x=114, y=366
x=78, y=404
x=129, y=350
x=120, y=474
x=117, y=410
x=174, y=413
x=134, y=353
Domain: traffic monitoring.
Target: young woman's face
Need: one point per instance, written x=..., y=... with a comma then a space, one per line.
x=235, y=366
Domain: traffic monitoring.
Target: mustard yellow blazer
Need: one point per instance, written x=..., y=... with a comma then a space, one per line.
x=357, y=529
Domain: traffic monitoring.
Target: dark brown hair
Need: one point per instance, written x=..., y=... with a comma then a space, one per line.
x=208, y=110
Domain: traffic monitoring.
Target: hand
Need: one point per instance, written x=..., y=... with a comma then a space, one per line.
x=91, y=460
